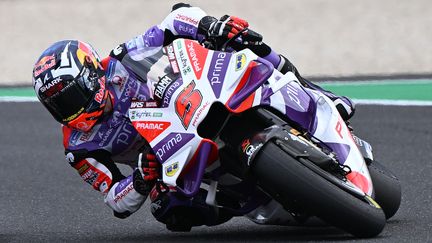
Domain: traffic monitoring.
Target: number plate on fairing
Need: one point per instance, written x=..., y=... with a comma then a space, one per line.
x=171, y=128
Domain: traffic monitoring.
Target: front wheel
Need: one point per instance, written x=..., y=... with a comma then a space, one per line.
x=387, y=188
x=288, y=180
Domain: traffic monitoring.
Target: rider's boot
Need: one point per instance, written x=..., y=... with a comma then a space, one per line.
x=179, y=214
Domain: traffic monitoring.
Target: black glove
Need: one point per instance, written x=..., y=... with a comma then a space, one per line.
x=148, y=171
x=227, y=27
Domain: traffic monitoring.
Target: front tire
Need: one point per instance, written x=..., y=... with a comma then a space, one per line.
x=288, y=180
x=387, y=188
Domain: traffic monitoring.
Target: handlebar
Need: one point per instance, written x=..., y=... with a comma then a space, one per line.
x=215, y=43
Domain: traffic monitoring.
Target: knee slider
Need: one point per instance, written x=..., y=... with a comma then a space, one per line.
x=122, y=215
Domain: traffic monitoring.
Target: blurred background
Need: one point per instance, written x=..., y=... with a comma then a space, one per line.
x=44, y=200
x=323, y=38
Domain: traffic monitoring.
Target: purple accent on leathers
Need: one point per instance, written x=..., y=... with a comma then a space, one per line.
x=114, y=133
x=153, y=37
x=185, y=29
x=341, y=150
x=217, y=71
x=171, y=144
x=123, y=184
x=259, y=74
x=274, y=58
x=192, y=180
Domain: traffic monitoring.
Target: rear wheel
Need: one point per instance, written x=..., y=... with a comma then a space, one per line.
x=289, y=181
x=387, y=188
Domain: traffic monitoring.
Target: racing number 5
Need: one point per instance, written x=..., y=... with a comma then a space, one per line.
x=187, y=103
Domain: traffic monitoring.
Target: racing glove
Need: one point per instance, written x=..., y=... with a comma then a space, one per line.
x=148, y=171
x=228, y=26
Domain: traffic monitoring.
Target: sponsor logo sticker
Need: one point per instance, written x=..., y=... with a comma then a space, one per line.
x=240, y=61
x=44, y=64
x=161, y=86
x=172, y=58
x=151, y=129
x=187, y=19
x=172, y=169
x=197, y=56
x=171, y=144
x=217, y=71
x=249, y=149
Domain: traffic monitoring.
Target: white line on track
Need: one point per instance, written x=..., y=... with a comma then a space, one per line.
x=376, y=82
x=393, y=102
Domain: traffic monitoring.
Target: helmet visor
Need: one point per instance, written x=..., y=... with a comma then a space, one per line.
x=73, y=97
x=71, y=101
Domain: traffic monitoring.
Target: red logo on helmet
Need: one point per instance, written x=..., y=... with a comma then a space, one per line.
x=44, y=64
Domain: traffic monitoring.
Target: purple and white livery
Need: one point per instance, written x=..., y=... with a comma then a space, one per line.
x=210, y=111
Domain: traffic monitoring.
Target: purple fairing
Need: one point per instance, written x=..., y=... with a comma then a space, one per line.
x=300, y=107
x=266, y=92
x=123, y=184
x=341, y=150
x=185, y=29
x=170, y=91
x=273, y=58
x=257, y=77
x=217, y=71
x=192, y=180
x=171, y=144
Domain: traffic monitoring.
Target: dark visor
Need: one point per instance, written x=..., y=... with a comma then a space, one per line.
x=74, y=98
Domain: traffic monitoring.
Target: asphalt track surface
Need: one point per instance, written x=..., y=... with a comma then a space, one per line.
x=44, y=200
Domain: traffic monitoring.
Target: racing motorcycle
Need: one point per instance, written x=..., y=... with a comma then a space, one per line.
x=259, y=144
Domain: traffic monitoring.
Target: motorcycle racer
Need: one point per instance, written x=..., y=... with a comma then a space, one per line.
x=90, y=97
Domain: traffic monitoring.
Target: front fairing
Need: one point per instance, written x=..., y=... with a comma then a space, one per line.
x=205, y=77
x=239, y=81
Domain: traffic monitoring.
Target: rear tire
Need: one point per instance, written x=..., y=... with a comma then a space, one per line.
x=387, y=188
x=287, y=179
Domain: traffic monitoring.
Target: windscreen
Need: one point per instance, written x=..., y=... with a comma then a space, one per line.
x=149, y=65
